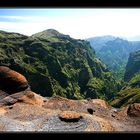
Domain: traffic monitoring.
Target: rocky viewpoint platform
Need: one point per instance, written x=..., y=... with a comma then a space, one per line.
x=23, y=110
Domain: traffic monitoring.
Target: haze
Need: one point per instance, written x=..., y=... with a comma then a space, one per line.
x=78, y=23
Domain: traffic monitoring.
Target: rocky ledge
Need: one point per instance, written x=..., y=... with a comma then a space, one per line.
x=23, y=110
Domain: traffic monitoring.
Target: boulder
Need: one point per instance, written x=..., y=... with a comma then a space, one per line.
x=134, y=110
x=70, y=116
x=12, y=81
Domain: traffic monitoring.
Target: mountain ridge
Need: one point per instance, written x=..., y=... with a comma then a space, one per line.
x=130, y=93
x=114, y=53
x=59, y=65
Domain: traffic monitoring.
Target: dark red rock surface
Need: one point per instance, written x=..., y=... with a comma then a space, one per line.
x=12, y=81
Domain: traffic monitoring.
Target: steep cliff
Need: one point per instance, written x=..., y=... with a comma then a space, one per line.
x=56, y=64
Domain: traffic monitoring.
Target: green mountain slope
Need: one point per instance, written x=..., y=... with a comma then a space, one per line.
x=56, y=64
x=133, y=65
x=130, y=93
x=114, y=52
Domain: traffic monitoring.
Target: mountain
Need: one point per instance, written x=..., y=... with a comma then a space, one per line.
x=56, y=64
x=26, y=111
x=98, y=42
x=130, y=93
x=50, y=34
x=133, y=65
x=114, y=53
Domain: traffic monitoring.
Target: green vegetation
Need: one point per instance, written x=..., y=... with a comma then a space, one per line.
x=133, y=65
x=56, y=64
x=130, y=93
x=126, y=96
x=114, y=52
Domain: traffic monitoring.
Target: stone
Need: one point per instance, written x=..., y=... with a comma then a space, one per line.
x=12, y=81
x=134, y=110
x=70, y=116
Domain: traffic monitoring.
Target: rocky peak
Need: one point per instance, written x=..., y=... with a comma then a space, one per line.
x=53, y=31
x=49, y=33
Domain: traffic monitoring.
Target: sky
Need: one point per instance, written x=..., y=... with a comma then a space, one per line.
x=79, y=23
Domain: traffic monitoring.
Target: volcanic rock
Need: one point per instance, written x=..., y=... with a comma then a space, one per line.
x=69, y=116
x=134, y=110
x=27, y=111
x=12, y=81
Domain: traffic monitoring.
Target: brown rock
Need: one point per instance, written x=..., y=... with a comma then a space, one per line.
x=134, y=110
x=3, y=94
x=24, y=111
x=100, y=103
x=12, y=81
x=70, y=116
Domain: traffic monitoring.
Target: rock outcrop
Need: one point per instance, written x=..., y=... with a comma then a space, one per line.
x=134, y=110
x=70, y=116
x=12, y=81
x=28, y=111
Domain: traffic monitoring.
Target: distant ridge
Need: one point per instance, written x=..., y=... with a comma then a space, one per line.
x=99, y=41
x=114, y=52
